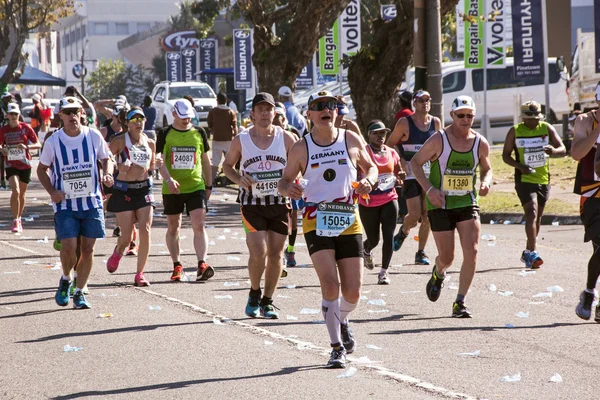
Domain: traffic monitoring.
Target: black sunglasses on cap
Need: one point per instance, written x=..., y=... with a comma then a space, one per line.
x=461, y=116
x=322, y=105
x=71, y=111
x=531, y=113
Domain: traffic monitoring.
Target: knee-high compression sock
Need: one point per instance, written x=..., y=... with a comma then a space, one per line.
x=346, y=308
x=593, y=268
x=331, y=314
x=292, y=240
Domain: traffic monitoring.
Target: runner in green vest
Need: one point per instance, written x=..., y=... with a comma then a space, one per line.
x=452, y=196
x=532, y=141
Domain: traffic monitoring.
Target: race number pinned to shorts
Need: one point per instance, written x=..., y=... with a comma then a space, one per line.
x=386, y=181
x=78, y=184
x=457, y=182
x=183, y=157
x=334, y=218
x=16, y=154
x=533, y=150
x=266, y=183
x=140, y=157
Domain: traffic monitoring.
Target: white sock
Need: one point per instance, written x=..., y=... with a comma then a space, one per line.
x=345, y=309
x=66, y=277
x=331, y=314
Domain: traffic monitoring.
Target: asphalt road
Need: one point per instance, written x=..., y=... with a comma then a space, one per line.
x=192, y=340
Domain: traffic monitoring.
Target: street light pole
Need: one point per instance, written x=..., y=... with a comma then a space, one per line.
x=434, y=59
x=419, y=46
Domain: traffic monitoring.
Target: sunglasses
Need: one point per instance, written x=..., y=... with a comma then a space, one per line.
x=71, y=111
x=137, y=119
x=322, y=105
x=13, y=113
x=531, y=113
x=461, y=116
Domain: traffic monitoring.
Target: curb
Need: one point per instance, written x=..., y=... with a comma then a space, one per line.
x=518, y=218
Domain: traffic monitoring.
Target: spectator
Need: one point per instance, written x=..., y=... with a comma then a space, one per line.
x=291, y=111
x=405, y=99
x=222, y=122
x=150, y=113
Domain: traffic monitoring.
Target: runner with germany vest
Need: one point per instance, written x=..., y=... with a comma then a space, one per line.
x=17, y=139
x=329, y=159
x=584, y=149
x=132, y=191
x=71, y=156
x=532, y=141
x=262, y=153
x=380, y=211
x=187, y=184
x=410, y=133
x=452, y=197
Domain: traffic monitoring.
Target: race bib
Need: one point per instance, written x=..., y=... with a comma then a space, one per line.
x=140, y=157
x=78, y=184
x=266, y=183
x=334, y=218
x=16, y=154
x=183, y=157
x=458, y=182
x=533, y=151
x=386, y=181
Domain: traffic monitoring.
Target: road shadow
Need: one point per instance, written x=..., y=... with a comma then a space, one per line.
x=474, y=328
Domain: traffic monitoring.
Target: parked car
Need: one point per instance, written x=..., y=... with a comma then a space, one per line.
x=165, y=94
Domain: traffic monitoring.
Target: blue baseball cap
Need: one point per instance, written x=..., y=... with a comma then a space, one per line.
x=133, y=113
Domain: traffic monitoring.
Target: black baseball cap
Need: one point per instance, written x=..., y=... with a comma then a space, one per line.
x=263, y=97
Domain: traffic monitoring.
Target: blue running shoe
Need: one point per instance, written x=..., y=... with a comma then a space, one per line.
x=526, y=259
x=399, y=239
x=290, y=258
x=421, y=258
x=62, y=294
x=79, y=301
x=253, y=306
x=268, y=311
x=535, y=260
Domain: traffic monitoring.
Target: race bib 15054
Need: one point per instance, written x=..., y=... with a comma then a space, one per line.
x=334, y=218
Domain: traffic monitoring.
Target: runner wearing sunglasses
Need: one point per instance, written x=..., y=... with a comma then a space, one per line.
x=533, y=141
x=329, y=159
x=410, y=133
x=132, y=191
x=452, y=196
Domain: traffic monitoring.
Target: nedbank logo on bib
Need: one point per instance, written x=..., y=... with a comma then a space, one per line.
x=338, y=207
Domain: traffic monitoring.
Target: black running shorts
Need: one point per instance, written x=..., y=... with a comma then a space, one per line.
x=442, y=220
x=345, y=246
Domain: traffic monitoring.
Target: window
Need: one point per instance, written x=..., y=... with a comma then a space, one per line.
x=72, y=37
x=454, y=82
x=77, y=34
x=497, y=78
x=143, y=26
x=197, y=92
x=66, y=39
x=83, y=31
x=160, y=93
x=122, y=28
x=100, y=28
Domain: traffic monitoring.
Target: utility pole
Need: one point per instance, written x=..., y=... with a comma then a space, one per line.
x=82, y=69
x=434, y=59
x=419, y=46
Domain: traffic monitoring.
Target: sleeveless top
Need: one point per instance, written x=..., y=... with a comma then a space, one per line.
x=110, y=132
x=386, y=179
x=454, y=173
x=329, y=174
x=265, y=166
x=530, y=151
x=587, y=183
x=139, y=154
x=416, y=139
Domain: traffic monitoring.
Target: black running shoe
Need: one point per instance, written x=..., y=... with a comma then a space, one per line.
x=434, y=286
x=584, y=308
x=459, y=310
x=597, y=316
x=338, y=358
x=117, y=232
x=348, y=338
x=399, y=239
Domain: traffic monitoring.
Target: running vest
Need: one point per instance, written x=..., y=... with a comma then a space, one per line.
x=74, y=168
x=385, y=169
x=139, y=154
x=182, y=156
x=416, y=139
x=265, y=166
x=587, y=182
x=454, y=173
x=530, y=151
x=330, y=201
x=110, y=132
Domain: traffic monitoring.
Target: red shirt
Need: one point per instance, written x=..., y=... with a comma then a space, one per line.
x=13, y=136
x=405, y=112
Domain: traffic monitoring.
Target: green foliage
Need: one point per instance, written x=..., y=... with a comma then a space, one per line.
x=113, y=78
x=449, y=44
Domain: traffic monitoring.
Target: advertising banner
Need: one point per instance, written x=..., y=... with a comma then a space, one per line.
x=329, y=47
x=527, y=38
x=388, y=12
x=460, y=27
x=189, y=63
x=495, y=33
x=474, y=32
x=242, y=59
x=208, y=60
x=349, y=23
x=174, y=71
x=306, y=79
x=597, y=33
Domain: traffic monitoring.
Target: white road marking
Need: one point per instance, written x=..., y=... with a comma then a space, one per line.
x=20, y=248
x=303, y=345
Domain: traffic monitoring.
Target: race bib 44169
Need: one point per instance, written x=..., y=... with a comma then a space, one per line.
x=266, y=183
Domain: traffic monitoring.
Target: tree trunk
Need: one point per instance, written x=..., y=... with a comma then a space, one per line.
x=377, y=71
x=14, y=34
x=279, y=60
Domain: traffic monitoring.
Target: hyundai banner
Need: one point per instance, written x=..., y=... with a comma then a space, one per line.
x=174, y=72
x=242, y=59
x=189, y=62
x=527, y=38
x=388, y=12
x=597, y=33
x=208, y=60
x=306, y=79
